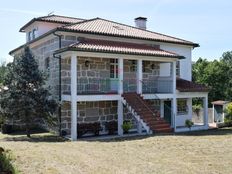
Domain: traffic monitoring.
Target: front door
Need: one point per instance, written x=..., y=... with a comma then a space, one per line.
x=167, y=111
x=114, y=74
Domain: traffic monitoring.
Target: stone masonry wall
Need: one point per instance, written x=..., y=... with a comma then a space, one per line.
x=99, y=111
x=91, y=78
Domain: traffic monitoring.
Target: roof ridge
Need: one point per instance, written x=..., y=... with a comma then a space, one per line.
x=60, y=16
x=145, y=30
x=86, y=20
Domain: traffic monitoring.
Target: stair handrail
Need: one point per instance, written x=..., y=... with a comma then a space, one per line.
x=156, y=96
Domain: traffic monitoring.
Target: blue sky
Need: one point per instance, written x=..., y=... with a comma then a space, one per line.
x=206, y=22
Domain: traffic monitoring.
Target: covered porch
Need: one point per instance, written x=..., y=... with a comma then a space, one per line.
x=115, y=73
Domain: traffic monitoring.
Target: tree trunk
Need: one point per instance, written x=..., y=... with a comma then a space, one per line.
x=28, y=131
x=27, y=125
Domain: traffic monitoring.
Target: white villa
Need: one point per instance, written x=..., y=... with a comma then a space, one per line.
x=105, y=72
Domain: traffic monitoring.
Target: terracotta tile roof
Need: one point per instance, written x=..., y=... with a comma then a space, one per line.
x=93, y=45
x=219, y=102
x=188, y=86
x=106, y=27
x=53, y=19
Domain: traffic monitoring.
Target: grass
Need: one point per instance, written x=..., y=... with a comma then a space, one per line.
x=205, y=152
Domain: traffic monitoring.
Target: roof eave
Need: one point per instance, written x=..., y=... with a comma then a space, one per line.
x=105, y=34
x=112, y=52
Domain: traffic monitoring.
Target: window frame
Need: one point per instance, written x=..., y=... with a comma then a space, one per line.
x=114, y=64
x=47, y=64
x=182, y=107
x=34, y=33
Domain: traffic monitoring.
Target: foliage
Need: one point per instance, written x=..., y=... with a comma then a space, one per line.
x=189, y=123
x=127, y=125
x=228, y=111
x=26, y=98
x=2, y=72
x=196, y=108
x=217, y=75
x=6, y=159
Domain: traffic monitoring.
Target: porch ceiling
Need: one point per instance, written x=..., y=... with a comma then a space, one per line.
x=103, y=46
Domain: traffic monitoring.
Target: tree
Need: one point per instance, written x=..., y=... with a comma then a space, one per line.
x=217, y=75
x=2, y=72
x=227, y=57
x=228, y=111
x=26, y=98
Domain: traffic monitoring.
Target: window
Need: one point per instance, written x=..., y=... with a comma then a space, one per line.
x=182, y=107
x=113, y=68
x=30, y=36
x=34, y=33
x=178, y=68
x=133, y=65
x=47, y=63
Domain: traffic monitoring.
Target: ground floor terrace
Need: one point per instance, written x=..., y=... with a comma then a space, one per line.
x=108, y=113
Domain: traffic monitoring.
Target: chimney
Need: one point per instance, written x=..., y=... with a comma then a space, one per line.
x=141, y=22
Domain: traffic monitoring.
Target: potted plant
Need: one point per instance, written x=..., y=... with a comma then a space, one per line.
x=127, y=125
x=112, y=127
x=189, y=123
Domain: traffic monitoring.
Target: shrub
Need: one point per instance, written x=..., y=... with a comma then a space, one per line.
x=112, y=127
x=5, y=162
x=127, y=125
x=189, y=123
x=6, y=129
x=228, y=117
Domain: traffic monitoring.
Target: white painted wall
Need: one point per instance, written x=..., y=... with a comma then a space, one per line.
x=42, y=28
x=185, y=64
x=165, y=69
x=180, y=119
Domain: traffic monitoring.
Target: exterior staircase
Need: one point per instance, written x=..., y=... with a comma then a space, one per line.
x=145, y=114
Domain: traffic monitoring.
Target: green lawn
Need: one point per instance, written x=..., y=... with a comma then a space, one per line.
x=206, y=152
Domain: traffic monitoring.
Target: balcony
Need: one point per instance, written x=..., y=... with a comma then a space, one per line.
x=94, y=86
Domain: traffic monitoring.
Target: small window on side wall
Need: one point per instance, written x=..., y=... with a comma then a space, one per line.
x=29, y=36
x=47, y=63
x=34, y=33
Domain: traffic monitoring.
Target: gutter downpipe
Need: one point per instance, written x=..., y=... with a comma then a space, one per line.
x=59, y=57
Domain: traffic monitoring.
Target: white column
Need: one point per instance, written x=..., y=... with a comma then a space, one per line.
x=139, y=76
x=174, y=102
x=174, y=112
x=162, y=108
x=120, y=75
x=120, y=91
x=120, y=117
x=213, y=114
x=190, y=110
x=205, y=101
x=174, y=77
x=73, y=97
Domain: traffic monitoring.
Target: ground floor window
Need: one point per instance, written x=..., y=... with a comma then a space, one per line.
x=182, y=107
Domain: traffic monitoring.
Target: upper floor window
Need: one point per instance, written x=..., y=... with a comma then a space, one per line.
x=113, y=68
x=29, y=36
x=34, y=33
